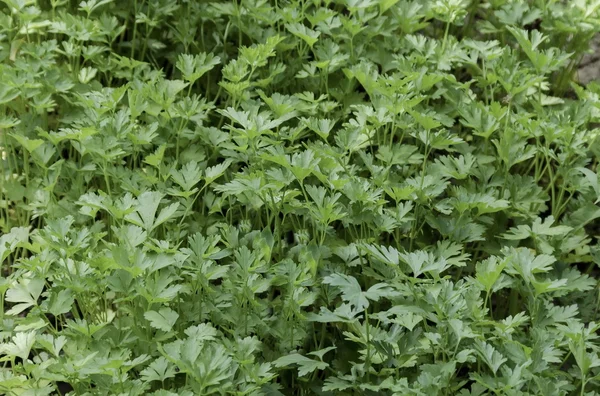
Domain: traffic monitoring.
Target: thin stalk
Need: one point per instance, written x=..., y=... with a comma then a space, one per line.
x=135, y=10
x=445, y=36
x=368, y=357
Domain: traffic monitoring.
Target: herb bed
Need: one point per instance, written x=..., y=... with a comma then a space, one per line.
x=374, y=197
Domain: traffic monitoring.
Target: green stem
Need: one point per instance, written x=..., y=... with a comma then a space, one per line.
x=368, y=357
x=445, y=36
x=134, y=28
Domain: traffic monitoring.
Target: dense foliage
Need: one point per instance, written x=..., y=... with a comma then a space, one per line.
x=251, y=197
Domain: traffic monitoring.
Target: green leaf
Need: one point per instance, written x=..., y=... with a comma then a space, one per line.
x=17, y=236
x=7, y=94
x=592, y=180
x=305, y=365
x=156, y=158
x=61, y=302
x=350, y=288
x=214, y=172
x=159, y=370
x=163, y=320
x=20, y=345
x=189, y=175
x=488, y=272
x=194, y=67
x=29, y=144
x=24, y=294
x=309, y=36
x=146, y=208
x=490, y=356
x=165, y=214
